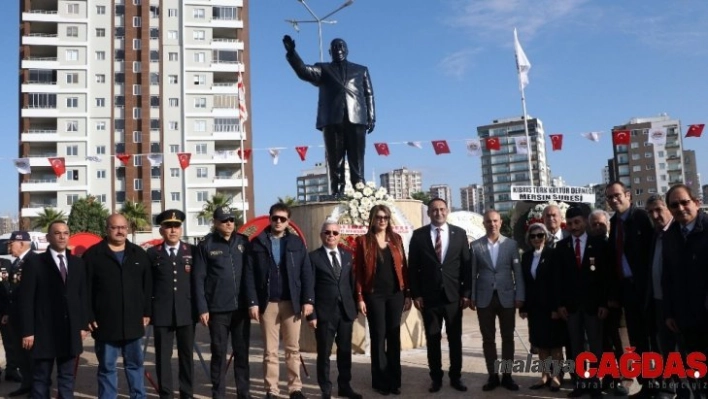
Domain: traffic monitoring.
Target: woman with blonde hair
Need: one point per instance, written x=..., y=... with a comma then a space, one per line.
x=382, y=294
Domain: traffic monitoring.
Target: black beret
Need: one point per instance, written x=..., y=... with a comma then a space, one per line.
x=574, y=211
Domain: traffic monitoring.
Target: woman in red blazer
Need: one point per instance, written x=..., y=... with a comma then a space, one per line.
x=381, y=271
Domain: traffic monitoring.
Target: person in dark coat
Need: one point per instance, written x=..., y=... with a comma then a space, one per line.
x=19, y=365
x=335, y=311
x=218, y=280
x=173, y=312
x=54, y=313
x=547, y=331
x=120, y=304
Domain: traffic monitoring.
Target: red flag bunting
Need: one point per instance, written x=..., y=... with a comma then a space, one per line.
x=695, y=130
x=492, y=143
x=123, y=158
x=244, y=154
x=620, y=137
x=441, y=147
x=382, y=149
x=302, y=152
x=557, y=142
x=58, y=165
x=184, y=158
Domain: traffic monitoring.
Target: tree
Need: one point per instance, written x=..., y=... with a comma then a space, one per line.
x=421, y=196
x=88, y=215
x=46, y=217
x=220, y=200
x=507, y=229
x=137, y=217
x=288, y=200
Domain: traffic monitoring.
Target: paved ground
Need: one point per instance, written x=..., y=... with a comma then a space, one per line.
x=415, y=373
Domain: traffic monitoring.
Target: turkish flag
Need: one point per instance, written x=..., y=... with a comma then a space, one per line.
x=244, y=154
x=557, y=142
x=123, y=158
x=58, y=165
x=620, y=137
x=441, y=147
x=695, y=130
x=382, y=149
x=492, y=143
x=184, y=158
x=302, y=152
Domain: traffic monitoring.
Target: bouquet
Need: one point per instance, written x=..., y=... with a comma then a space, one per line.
x=359, y=201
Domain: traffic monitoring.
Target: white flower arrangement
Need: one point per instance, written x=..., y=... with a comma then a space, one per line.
x=535, y=214
x=359, y=201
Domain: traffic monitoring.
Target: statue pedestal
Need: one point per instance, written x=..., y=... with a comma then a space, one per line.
x=309, y=218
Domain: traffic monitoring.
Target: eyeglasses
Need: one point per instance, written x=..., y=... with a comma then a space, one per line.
x=330, y=233
x=379, y=217
x=229, y=220
x=278, y=219
x=118, y=227
x=615, y=197
x=684, y=203
x=537, y=236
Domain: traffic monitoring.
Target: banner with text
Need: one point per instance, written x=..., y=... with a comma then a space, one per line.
x=560, y=194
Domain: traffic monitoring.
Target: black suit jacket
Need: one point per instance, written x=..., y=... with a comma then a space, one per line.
x=540, y=291
x=638, y=243
x=330, y=292
x=427, y=276
x=52, y=311
x=171, y=286
x=11, y=288
x=589, y=287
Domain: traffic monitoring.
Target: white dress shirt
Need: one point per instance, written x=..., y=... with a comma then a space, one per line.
x=55, y=256
x=493, y=248
x=329, y=255
x=583, y=241
x=535, y=261
x=444, y=237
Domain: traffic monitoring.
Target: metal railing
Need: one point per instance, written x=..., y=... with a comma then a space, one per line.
x=223, y=40
x=42, y=34
x=42, y=11
x=41, y=205
x=41, y=131
x=47, y=180
x=30, y=58
x=41, y=82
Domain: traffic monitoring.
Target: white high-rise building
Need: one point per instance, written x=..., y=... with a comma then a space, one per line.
x=472, y=198
x=402, y=183
x=151, y=80
x=441, y=191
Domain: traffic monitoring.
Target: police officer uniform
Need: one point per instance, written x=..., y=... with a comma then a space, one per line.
x=173, y=313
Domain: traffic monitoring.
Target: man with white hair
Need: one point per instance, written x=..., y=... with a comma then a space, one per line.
x=552, y=219
x=599, y=221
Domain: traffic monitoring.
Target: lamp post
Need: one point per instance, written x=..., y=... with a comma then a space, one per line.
x=318, y=21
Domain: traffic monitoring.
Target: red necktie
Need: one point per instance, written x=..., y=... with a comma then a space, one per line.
x=438, y=244
x=620, y=247
x=578, y=258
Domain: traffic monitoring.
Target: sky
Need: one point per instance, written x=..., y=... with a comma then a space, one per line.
x=441, y=68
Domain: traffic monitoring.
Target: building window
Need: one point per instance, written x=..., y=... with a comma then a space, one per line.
x=154, y=78
x=137, y=44
x=202, y=196
x=71, y=198
x=202, y=173
x=172, y=56
x=154, y=124
x=72, y=150
x=100, y=55
x=156, y=195
x=660, y=154
x=634, y=145
x=174, y=148
x=71, y=55
x=637, y=180
x=100, y=102
x=72, y=175
x=137, y=184
x=72, y=8
x=174, y=102
x=199, y=57
x=137, y=22
x=138, y=161
x=200, y=102
x=171, y=12
x=199, y=80
x=137, y=113
x=72, y=78
x=137, y=136
x=200, y=125
x=101, y=10
x=648, y=154
x=155, y=172
x=120, y=197
x=202, y=221
x=639, y=191
x=137, y=90
x=174, y=172
x=637, y=168
x=72, y=31
x=100, y=32
x=201, y=148
x=137, y=66
x=119, y=55
x=198, y=35
x=650, y=178
x=101, y=174
x=119, y=101
x=100, y=78
x=172, y=79
x=119, y=32
x=72, y=126
x=662, y=166
x=154, y=56
x=636, y=157
x=172, y=34
x=72, y=102
x=100, y=150
x=173, y=125
x=154, y=101
x=100, y=126
x=176, y=196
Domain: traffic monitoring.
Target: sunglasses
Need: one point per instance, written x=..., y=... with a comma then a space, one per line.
x=675, y=205
x=330, y=233
x=382, y=217
x=278, y=219
x=539, y=235
x=229, y=220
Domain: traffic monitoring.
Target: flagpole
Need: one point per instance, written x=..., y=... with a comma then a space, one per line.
x=517, y=49
x=242, y=127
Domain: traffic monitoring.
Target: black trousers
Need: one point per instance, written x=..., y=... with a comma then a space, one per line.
x=164, y=339
x=340, y=140
x=383, y=312
x=487, y=326
x=238, y=324
x=611, y=340
x=636, y=318
x=42, y=384
x=580, y=326
x=335, y=328
x=433, y=316
x=9, y=344
x=22, y=357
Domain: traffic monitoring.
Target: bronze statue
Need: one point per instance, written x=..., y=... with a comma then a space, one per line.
x=345, y=110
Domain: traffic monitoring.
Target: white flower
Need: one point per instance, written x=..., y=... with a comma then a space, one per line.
x=367, y=191
x=359, y=186
x=353, y=212
x=348, y=191
x=366, y=201
x=362, y=209
x=357, y=195
x=353, y=203
x=378, y=195
x=371, y=184
x=358, y=221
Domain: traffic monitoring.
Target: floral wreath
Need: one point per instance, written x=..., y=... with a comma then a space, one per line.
x=359, y=200
x=535, y=214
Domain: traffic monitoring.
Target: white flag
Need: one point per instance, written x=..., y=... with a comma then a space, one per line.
x=522, y=145
x=155, y=159
x=592, y=136
x=242, y=110
x=522, y=63
x=657, y=135
x=474, y=147
x=274, y=153
x=415, y=144
x=23, y=166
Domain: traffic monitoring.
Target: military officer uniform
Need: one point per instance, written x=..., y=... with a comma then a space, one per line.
x=173, y=312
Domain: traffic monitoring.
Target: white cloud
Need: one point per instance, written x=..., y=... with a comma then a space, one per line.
x=457, y=63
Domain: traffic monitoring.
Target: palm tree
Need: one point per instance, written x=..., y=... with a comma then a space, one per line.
x=46, y=217
x=136, y=215
x=288, y=200
x=220, y=200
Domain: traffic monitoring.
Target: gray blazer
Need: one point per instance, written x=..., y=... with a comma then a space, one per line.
x=507, y=278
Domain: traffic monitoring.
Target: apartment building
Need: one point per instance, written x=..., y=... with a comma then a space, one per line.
x=472, y=198
x=442, y=191
x=402, y=183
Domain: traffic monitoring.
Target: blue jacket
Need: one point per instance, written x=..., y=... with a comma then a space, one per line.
x=299, y=271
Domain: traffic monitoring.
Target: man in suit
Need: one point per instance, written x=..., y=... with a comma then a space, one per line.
x=345, y=111
x=440, y=276
x=497, y=291
x=20, y=247
x=630, y=243
x=583, y=268
x=221, y=257
x=54, y=313
x=335, y=310
x=552, y=219
x=684, y=282
x=599, y=221
x=172, y=309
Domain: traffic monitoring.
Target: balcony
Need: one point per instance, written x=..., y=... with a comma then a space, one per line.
x=35, y=86
x=40, y=63
x=672, y=144
x=40, y=135
x=41, y=16
x=225, y=87
x=40, y=39
x=226, y=66
x=45, y=183
x=226, y=43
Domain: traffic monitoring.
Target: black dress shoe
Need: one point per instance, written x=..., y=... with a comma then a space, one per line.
x=349, y=393
x=435, y=386
x=326, y=396
x=508, y=383
x=396, y=391
x=576, y=393
x=13, y=377
x=19, y=392
x=383, y=392
x=538, y=385
x=458, y=385
x=492, y=382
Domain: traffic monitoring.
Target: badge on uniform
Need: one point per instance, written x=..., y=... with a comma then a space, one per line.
x=17, y=277
x=240, y=248
x=592, y=264
x=3, y=274
x=187, y=260
x=215, y=253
